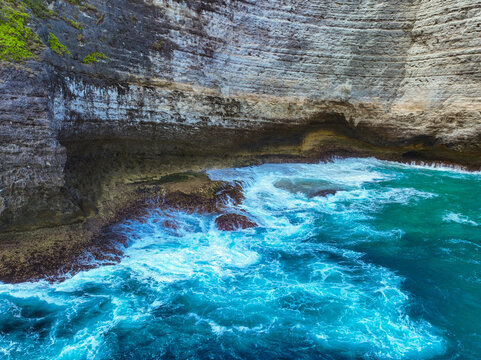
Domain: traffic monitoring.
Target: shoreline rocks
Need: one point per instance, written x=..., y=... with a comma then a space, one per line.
x=232, y=222
x=53, y=254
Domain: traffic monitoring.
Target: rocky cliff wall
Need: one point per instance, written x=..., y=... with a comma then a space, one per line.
x=216, y=78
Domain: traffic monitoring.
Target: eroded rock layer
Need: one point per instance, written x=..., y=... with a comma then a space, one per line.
x=243, y=80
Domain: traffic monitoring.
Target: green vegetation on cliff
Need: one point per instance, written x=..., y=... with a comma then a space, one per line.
x=17, y=41
x=74, y=24
x=94, y=58
x=56, y=46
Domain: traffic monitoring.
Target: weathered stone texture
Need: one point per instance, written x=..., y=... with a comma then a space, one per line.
x=32, y=161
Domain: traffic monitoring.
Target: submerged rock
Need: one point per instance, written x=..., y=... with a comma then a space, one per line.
x=231, y=222
x=323, y=193
x=170, y=224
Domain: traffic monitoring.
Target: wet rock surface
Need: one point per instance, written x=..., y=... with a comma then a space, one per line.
x=232, y=222
x=170, y=224
x=211, y=198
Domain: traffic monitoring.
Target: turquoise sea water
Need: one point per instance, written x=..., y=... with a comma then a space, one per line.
x=387, y=268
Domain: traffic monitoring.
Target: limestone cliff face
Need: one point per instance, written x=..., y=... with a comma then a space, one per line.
x=214, y=77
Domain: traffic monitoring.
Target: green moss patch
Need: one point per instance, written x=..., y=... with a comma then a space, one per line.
x=94, y=58
x=17, y=41
x=74, y=24
x=56, y=46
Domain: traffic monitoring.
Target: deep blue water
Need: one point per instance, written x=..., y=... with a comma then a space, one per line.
x=387, y=268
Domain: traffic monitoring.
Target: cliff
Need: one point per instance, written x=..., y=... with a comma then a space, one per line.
x=124, y=91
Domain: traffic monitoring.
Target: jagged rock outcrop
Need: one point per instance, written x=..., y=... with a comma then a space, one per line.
x=189, y=79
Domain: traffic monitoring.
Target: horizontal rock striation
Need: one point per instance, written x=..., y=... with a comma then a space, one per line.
x=221, y=78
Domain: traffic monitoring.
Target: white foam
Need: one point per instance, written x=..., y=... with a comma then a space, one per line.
x=347, y=172
x=449, y=169
x=459, y=218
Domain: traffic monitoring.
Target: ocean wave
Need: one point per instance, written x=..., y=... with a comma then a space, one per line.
x=194, y=291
